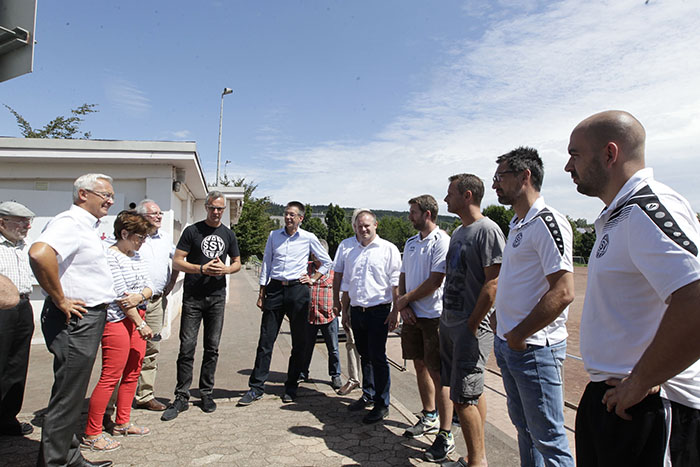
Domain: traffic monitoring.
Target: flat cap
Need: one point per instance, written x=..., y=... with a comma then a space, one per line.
x=12, y=208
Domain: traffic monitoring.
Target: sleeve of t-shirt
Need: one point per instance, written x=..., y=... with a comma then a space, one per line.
x=439, y=254
x=394, y=268
x=494, y=243
x=116, y=270
x=55, y=235
x=185, y=242
x=664, y=263
x=233, y=251
x=550, y=257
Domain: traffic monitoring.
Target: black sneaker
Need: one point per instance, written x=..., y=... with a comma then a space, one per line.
x=179, y=405
x=208, y=404
x=360, y=404
x=375, y=415
x=336, y=382
x=249, y=397
x=288, y=397
x=443, y=445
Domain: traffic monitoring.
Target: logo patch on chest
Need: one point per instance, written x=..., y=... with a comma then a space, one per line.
x=213, y=246
x=518, y=239
x=603, y=247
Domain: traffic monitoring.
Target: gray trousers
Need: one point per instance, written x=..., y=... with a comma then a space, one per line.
x=74, y=347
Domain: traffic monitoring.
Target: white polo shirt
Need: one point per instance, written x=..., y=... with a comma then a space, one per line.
x=371, y=272
x=537, y=246
x=82, y=264
x=420, y=258
x=646, y=249
x=157, y=252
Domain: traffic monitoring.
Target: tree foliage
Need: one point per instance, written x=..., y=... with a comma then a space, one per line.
x=583, y=241
x=313, y=224
x=396, y=230
x=59, y=128
x=254, y=225
x=339, y=227
x=500, y=215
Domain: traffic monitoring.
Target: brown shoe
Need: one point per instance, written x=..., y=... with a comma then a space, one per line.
x=152, y=404
x=348, y=388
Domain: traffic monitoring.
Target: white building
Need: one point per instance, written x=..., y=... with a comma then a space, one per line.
x=39, y=173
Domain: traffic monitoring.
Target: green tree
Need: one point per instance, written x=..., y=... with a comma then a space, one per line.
x=60, y=127
x=396, y=230
x=339, y=227
x=500, y=215
x=254, y=225
x=313, y=224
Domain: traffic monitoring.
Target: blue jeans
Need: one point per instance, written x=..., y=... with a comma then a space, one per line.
x=533, y=383
x=370, y=336
x=209, y=310
x=329, y=331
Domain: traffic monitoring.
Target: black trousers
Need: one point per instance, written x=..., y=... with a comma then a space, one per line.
x=74, y=347
x=604, y=439
x=685, y=436
x=280, y=300
x=16, y=329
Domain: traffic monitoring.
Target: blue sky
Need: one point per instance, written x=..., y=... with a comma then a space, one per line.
x=368, y=103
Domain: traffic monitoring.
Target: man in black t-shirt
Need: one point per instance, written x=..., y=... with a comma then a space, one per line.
x=201, y=253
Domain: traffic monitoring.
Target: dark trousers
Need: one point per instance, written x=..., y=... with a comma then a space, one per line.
x=293, y=301
x=371, y=333
x=685, y=436
x=329, y=331
x=74, y=347
x=195, y=310
x=604, y=439
x=16, y=329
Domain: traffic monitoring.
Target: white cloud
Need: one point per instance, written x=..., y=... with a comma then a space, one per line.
x=527, y=81
x=127, y=97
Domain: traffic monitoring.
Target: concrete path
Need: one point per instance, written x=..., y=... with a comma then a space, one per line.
x=317, y=429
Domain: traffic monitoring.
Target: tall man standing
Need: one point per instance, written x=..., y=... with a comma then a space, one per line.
x=372, y=270
x=420, y=306
x=535, y=288
x=466, y=339
x=284, y=290
x=16, y=323
x=641, y=300
x=201, y=254
x=158, y=252
x=68, y=251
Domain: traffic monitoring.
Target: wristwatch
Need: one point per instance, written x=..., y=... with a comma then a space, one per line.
x=142, y=325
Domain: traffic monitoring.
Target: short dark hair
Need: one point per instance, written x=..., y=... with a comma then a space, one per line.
x=132, y=222
x=523, y=158
x=212, y=195
x=298, y=205
x=471, y=183
x=426, y=203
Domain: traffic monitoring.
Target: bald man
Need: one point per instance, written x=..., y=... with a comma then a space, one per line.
x=641, y=317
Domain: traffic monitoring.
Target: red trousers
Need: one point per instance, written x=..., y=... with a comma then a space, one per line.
x=122, y=353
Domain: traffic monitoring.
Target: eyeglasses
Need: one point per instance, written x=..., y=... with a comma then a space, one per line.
x=155, y=214
x=498, y=176
x=215, y=208
x=105, y=196
x=291, y=214
x=20, y=221
x=140, y=237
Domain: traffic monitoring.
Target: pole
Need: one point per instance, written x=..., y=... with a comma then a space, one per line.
x=221, y=120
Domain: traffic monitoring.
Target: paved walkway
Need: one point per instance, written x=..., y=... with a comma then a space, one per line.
x=315, y=430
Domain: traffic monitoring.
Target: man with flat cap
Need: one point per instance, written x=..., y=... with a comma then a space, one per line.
x=16, y=323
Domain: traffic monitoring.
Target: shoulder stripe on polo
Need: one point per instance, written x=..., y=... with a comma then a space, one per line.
x=650, y=205
x=553, y=227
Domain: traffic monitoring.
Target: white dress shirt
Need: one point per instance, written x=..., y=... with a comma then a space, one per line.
x=157, y=251
x=287, y=257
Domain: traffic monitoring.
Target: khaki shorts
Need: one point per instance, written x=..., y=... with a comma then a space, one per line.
x=420, y=341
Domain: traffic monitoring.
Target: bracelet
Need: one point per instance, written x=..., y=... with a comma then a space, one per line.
x=144, y=297
x=201, y=271
x=141, y=326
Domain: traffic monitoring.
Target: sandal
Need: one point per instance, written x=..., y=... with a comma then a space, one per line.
x=131, y=430
x=93, y=444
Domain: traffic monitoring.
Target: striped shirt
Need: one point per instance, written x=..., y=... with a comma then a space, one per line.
x=321, y=305
x=14, y=263
x=130, y=275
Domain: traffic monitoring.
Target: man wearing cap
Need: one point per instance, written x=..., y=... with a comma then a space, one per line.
x=16, y=323
x=69, y=262
x=158, y=252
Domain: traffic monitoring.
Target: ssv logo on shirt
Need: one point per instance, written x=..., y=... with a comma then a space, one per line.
x=603, y=247
x=213, y=246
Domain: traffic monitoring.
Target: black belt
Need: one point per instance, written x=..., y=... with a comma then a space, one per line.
x=286, y=283
x=24, y=296
x=369, y=308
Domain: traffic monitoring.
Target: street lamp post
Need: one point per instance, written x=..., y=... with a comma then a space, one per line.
x=221, y=120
